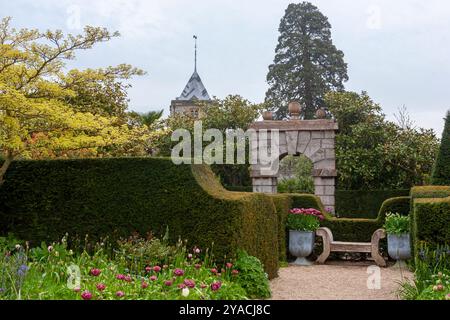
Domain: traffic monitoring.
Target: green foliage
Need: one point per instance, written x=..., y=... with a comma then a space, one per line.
x=42, y=200
x=302, y=222
x=366, y=203
x=252, y=277
x=432, y=268
x=441, y=171
x=373, y=153
x=397, y=224
x=306, y=64
x=299, y=168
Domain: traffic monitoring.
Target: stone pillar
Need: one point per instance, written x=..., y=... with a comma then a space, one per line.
x=325, y=189
x=265, y=185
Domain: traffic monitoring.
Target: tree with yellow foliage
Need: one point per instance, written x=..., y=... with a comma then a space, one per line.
x=45, y=112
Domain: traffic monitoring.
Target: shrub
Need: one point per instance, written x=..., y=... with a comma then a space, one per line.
x=364, y=203
x=396, y=224
x=441, y=170
x=251, y=276
x=432, y=221
x=42, y=200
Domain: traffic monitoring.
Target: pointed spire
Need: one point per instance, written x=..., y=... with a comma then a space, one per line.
x=195, y=63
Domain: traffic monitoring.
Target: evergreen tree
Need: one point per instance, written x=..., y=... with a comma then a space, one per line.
x=441, y=172
x=306, y=64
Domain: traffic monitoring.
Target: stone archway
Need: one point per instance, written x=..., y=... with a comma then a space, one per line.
x=313, y=138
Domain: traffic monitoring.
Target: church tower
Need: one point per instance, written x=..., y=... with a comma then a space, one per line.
x=193, y=95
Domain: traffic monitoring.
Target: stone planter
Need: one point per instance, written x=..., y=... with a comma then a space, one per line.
x=301, y=245
x=399, y=247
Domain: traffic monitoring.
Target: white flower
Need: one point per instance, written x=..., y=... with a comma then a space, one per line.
x=50, y=248
x=18, y=246
x=185, y=292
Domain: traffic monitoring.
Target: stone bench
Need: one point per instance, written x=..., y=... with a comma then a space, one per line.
x=329, y=245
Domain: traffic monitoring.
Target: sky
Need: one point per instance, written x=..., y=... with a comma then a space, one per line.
x=397, y=51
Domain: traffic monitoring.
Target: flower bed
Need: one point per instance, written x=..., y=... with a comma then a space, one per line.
x=138, y=270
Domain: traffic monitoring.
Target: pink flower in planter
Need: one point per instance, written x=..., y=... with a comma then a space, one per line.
x=197, y=250
x=203, y=286
x=181, y=286
x=120, y=277
x=168, y=283
x=197, y=266
x=77, y=289
x=215, y=286
x=50, y=248
x=190, y=256
x=144, y=285
x=153, y=278
x=95, y=272
x=101, y=287
x=120, y=294
x=235, y=272
x=214, y=270
x=128, y=279
x=157, y=268
x=148, y=269
x=86, y=295
x=229, y=265
x=178, y=272
x=189, y=283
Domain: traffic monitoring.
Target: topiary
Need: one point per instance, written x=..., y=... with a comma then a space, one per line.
x=252, y=277
x=441, y=171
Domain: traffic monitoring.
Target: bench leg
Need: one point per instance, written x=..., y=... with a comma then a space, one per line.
x=326, y=235
x=376, y=237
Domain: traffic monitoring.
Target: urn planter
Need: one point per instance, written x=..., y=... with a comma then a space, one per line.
x=399, y=247
x=301, y=245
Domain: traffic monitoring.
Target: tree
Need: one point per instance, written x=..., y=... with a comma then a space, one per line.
x=100, y=91
x=441, y=171
x=373, y=153
x=306, y=64
x=36, y=116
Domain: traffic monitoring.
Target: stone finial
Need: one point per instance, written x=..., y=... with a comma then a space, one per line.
x=321, y=113
x=295, y=109
x=267, y=115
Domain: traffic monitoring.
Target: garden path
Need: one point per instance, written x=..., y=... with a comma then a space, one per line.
x=337, y=281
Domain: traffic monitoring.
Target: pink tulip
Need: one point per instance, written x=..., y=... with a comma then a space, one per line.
x=157, y=268
x=95, y=272
x=120, y=294
x=86, y=295
x=153, y=278
x=101, y=287
x=215, y=286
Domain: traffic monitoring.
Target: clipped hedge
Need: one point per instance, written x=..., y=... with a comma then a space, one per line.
x=363, y=203
x=42, y=200
x=361, y=230
x=432, y=221
x=430, y=215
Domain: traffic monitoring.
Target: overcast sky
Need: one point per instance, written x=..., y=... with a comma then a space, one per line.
x=397, y=51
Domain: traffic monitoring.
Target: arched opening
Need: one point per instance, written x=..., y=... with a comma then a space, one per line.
x=295, y=175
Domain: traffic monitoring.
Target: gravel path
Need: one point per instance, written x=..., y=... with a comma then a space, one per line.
x=336, y=281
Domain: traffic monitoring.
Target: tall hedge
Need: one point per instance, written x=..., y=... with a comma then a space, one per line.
x=432, y=221
x=441, y=171
x=363, y=203
x=42, y=200
x=430, y=218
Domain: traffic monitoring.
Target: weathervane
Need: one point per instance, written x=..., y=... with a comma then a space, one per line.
x=195, y=66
